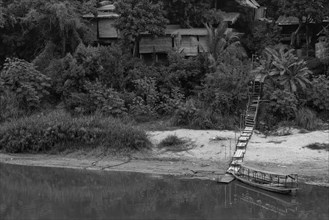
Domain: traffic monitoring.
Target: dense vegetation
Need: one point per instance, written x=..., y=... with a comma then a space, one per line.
x=48, y=62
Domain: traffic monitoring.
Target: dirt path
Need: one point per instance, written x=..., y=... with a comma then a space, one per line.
x=207, y=156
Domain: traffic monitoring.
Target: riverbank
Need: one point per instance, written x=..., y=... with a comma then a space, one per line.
x=206, y=155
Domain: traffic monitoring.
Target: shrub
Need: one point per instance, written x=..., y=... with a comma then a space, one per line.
x=263, y=34
x=147, y=97
x=171, y=140
x=29, y=85
x=9, y=106
x=226, y=90
x=58, y=131
x=208, y=119
x=185, y=113
x=96, y=98
x=283, y=104
x=318, y=146
x=306, y=118
x=318, y=95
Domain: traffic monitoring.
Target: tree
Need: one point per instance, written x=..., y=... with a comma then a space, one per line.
x=285, y=68
x=32, y=24
x=187, y=13
x=138, y=17
x=306, y=11
x=2, y=19
x=223, y=43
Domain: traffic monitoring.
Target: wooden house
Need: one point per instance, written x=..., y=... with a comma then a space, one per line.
x=289, y=24
x=102, y=23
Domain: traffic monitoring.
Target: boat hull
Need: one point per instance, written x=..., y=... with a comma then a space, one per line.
x=281, y=190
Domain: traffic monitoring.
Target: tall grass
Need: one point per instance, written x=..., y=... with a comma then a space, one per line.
x=306, y=118
x=58, y=131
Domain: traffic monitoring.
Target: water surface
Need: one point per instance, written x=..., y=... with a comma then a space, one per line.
x=53, y=193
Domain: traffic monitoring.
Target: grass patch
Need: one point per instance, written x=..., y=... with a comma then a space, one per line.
x=174, y=143
x=318, y=146
x=58, y=131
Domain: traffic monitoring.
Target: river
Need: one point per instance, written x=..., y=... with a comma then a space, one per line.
x=60, y=194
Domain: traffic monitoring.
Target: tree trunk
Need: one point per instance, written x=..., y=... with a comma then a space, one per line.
x=63, y=44
x=293, y=38
x=136, y=47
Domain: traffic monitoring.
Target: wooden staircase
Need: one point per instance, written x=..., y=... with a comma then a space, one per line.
x=249, y=125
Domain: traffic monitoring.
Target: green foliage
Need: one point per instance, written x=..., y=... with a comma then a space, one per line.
x=2, y=19
x=139, y=16
x=186, y=74
x=304, y=8
x=147, y=97
x=318, y=94
x=208, y=119
x=223, y=44
x=263, y=34
x=9, y=106
x=306, y=118
x=187, y=13
x=185, y=114
x=226, y=90
x=170, y=141
x=285, y=69
x=196, y=115
x=31, y=24
x=28, y=85
x=318, y=146
x=57, y=131
x=97, y=98
x=283, y=104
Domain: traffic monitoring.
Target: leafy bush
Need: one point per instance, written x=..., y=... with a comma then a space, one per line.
x=96, y=98
x=9, y=106
x=185, y=113
x=59, y=131
x=283, y=104
x=263, y=34
x=306, y=118
x=28, y=85
x=226, y=90
x=171, y=140
x=208, y=119
x=318, y=95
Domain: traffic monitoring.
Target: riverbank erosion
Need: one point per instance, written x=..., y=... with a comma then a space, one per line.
x=203, y=154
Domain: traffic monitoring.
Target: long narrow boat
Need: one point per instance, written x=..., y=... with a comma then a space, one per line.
x=274, y=182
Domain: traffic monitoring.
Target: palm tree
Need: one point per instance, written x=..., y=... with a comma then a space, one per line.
x=286, y=69
x=222, y=43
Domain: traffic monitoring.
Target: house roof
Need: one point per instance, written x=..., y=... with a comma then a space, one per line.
x=101, y=14
x=290, y=20
x=110, y=7
x=191, y=32
x=248, y=3
x=105, y=11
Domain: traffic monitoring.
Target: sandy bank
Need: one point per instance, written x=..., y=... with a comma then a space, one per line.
x=207, y=155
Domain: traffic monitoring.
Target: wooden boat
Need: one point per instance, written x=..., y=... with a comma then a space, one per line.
x=274, y=182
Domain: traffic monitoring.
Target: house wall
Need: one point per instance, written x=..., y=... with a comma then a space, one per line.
x=155, y=45
x=106, y=28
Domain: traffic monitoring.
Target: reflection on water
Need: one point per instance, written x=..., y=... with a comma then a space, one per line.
x=49, y=193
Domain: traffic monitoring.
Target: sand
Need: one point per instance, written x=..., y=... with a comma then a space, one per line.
x=206, y=154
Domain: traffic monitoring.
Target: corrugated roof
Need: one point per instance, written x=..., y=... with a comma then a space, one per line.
x=105, y=11
x=102, y=15
x=191, y=32
x=110, y=7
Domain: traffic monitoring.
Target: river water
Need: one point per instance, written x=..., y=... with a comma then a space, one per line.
x=58, y=194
